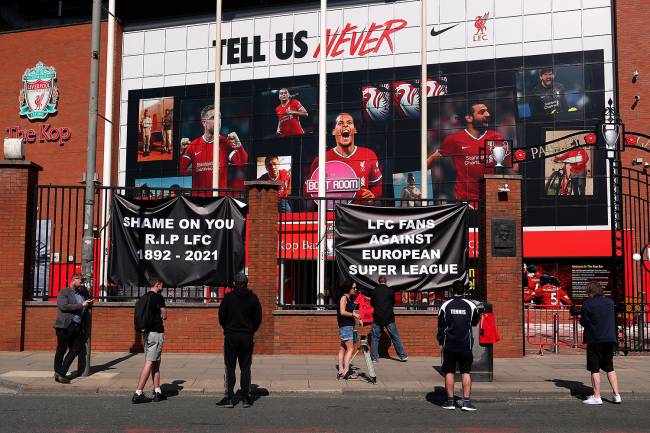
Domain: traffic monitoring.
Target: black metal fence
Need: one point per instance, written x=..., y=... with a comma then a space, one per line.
x=59, y=232
x=632, y=293
x=298, y=253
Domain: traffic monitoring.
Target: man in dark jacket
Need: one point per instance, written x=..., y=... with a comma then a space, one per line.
x=72, y=302
x=382, y=300
x=455, y=321
x=240, y=316
x=599, y=320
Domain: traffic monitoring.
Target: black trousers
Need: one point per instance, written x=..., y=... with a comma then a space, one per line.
x=238, y=347
x=69, y=340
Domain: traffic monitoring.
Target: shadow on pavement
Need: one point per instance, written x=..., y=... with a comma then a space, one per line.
x=578, y=389
x=172, y=389
x=109, y=365
x=438, y=396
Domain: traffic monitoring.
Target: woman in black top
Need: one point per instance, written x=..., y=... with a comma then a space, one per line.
x=346, y=316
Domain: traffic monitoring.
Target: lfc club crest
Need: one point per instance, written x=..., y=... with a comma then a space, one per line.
x=480, y=23
x=39, y=95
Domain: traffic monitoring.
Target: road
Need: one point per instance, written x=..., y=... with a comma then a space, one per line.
x=310, y=413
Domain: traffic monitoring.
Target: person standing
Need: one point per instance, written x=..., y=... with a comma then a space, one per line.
x=346, y=318
x=383, y=316
x=240, y=316
x=599, y=322
x=167, y=123
x=577, y=160
x=71, y=302
x=153, y=339
x=289, y=113
x=411, y=195
x=455, y=321
x=146, y=124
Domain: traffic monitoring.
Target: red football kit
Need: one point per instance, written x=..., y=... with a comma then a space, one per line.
x=533, y=281
x=577, y=160
x=197, y=161
x=552, y=296
x=284, y=176
x=363, y=162
x=289, y=123
x=463, y=148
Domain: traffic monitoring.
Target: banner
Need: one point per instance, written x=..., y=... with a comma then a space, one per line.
x=186, y=241
x=418, y=248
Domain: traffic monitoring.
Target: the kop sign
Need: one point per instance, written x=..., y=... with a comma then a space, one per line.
x=38, y=99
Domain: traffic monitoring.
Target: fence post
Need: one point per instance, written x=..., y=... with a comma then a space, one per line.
x=18, y=180
x=556, y=333
x=262, y=241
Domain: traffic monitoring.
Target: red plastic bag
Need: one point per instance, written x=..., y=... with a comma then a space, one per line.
x=487, y=329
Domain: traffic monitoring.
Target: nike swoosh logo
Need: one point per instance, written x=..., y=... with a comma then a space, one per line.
x=436, y=33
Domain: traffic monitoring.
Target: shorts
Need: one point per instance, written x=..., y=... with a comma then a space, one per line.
x=346, y=333
x=452, y=361
x=153, y=345
x=600, y=356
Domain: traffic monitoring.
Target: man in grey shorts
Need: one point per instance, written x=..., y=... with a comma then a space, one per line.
x=153, y=338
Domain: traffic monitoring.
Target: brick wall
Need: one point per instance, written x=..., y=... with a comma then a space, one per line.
x=500, y=277
x=262, y=255
x=632, y=53
x=17, y=201
x=317, y=333
x=187, y=328
x=67, y=48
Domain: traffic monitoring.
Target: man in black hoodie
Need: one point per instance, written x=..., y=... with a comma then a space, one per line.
x=383, y=301
x=240, y=316
x=456, y=318
x=599, y=320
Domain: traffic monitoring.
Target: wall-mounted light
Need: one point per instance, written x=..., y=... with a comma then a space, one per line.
x=635, y=75
x=611, y=129
x=14, y=148
x=504, y=187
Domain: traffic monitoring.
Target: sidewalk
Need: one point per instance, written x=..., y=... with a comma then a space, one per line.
x=554, y=376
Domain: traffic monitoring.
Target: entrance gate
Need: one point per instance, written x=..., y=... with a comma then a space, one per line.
x=631, y=244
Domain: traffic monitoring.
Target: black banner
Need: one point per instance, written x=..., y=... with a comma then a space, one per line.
x=416, y=248
x=186, y=241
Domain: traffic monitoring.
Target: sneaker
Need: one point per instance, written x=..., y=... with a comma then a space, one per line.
x=140, y=398
x=226, y=402
x=159, y=396
x=593, y=400
x=449, y=405
x=617, y=399
x=246, y=402
x=61, y=378
x=403, y=358
x=375, y=360
x=468, y=406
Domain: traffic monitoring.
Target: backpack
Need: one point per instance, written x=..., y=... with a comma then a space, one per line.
x=143, y=319
x=488, y=332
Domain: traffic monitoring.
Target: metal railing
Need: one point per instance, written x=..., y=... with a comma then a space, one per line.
x=552, y=326
x=59, y=231
x=298, y=252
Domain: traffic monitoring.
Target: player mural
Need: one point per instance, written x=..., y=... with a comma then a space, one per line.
x=466, y=111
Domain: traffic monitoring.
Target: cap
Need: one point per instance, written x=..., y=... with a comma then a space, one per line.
x=78, y=276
